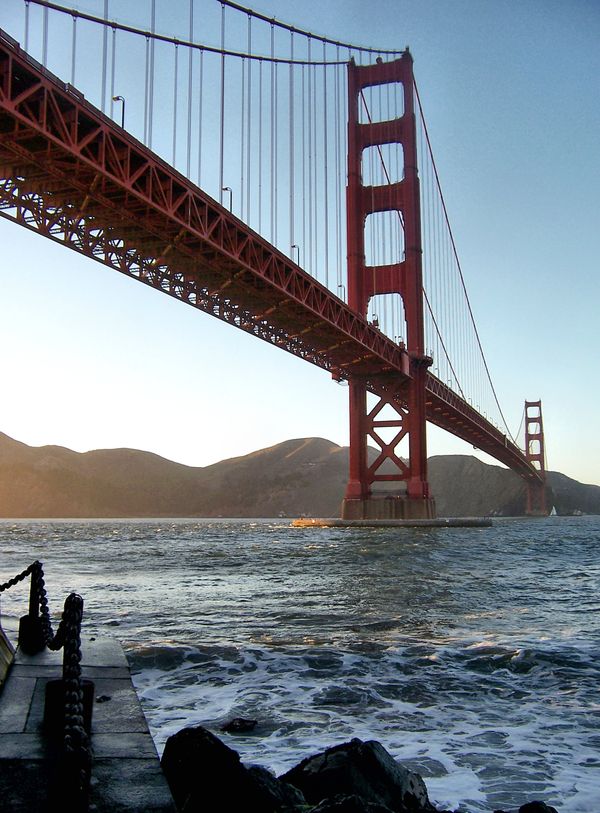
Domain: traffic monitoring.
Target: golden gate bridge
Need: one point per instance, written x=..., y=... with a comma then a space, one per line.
x=281, y=181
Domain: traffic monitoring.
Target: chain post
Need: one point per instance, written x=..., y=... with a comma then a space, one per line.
x=32, y=637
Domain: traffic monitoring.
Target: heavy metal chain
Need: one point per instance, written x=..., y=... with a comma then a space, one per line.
x=36, y=571
x=77, y=748
x=52, y=641
x=19, y=578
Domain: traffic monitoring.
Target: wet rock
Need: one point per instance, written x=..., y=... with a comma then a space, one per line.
x=532, y=807
x=194, y=762
x=239, y=725
x=348, y=804
x=363, y=769
x=205, y=775
x=286, y=796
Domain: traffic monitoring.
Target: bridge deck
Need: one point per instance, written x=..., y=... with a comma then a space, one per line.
x=126, y=774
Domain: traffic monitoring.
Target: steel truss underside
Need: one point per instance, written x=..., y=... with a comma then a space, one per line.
x=70, y=174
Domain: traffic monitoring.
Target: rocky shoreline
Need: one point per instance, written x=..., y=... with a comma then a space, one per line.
x=355, y=777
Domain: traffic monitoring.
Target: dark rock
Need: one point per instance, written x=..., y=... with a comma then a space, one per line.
x=195, y=761
x=348, y=804
x=239, y=725
x=285, y=795
x=364, y=769
x=205, y=775
x=533, y=807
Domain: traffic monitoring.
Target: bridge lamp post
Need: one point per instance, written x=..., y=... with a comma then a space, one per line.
x=122, y=100
x=297, y=248
x=228, y=189
x=342, y=288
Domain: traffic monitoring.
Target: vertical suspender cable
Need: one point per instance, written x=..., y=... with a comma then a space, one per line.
x=276, y=157
x=249, y=121
x=190, y=93
x=315, y=185
x=243, y=118
x=200, y=99
x=147, y=91
x=175, y=94
x=73, y=49
x=260, y=144
x=325, y=167
x=448, y=296
x=304, y=106
x=222, y=127
x=151, y=83
x=45, y=38
x=292, y=239
x=26, y=37
x=112, y=70
x=311, y=268
x=272, y=142
x=104, y=58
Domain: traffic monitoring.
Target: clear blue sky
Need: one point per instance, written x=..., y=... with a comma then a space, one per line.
x=511, y=92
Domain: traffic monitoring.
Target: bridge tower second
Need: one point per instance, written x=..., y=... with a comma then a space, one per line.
x=535, y=453
x=395, y=410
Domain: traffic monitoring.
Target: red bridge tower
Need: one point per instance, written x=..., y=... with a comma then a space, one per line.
x=535, y=454
x=399, y=409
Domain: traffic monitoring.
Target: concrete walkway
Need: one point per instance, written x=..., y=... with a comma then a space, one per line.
x=126, y=774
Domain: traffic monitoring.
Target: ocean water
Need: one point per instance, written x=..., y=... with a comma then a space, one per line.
x=472, y=654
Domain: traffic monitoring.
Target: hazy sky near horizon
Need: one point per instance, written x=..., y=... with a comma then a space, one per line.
x=511, y=92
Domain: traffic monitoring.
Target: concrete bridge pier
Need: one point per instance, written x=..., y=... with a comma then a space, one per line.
x=392, y=508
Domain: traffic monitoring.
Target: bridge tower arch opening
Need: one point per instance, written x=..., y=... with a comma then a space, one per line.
x=395, y=413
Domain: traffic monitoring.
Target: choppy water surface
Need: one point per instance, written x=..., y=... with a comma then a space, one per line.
x=473, y=655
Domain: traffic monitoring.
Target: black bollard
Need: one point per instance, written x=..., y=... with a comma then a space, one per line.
x=31, y=631
x=31, y=635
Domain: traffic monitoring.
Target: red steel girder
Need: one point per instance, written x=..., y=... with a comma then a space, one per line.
x=451, y=412
x=78, y=156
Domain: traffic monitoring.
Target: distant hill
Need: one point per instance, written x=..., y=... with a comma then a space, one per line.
x=298, y=477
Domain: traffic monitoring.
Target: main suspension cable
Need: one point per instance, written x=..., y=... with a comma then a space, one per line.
x=92, y=18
